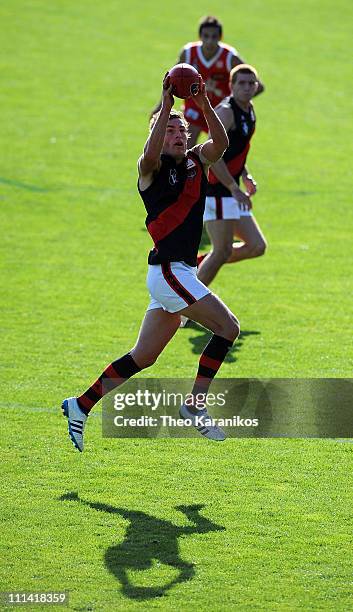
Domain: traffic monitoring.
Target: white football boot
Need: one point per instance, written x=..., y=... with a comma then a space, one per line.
x=212, y=432
x=76, y=421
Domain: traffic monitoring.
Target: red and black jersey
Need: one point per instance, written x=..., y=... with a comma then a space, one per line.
x=215, y=71
x=175, y=203
x=239, y=145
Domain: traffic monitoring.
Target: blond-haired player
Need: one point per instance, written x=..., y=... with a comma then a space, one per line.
x=228, y=211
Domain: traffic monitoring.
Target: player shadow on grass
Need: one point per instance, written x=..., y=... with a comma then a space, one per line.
x=199, y=342
x=149, y=538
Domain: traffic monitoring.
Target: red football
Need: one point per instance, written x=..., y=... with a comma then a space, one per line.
x=184, y=80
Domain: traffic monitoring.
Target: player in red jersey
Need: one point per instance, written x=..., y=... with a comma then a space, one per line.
x=228, y=209
x=172, y=183
x=214, y=60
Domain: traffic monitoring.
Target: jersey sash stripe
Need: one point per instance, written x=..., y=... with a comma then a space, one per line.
x=176, y=285
x=170, y=218
x=234, y=166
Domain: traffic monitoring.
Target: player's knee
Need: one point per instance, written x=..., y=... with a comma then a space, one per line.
x=234, y=327
x=230, y=328
x=146, y=360
x=259, y=248
x=149, y=360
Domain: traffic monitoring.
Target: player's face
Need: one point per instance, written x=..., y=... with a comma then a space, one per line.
x=245, y=87
x=175, y=138
x=210, y=38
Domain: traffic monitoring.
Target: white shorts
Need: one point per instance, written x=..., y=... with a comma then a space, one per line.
x=223, y=208
x=174, y=286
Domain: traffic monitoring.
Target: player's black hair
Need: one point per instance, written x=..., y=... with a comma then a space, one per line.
x=210, y=22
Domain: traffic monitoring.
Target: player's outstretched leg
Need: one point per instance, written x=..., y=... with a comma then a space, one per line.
x=214, y=315
x=157, y=329
x=77, y=409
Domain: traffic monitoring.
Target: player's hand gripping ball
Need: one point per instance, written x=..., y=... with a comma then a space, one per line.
x=185, y=81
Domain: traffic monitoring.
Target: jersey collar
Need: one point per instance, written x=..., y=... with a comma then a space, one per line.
x=210, y=62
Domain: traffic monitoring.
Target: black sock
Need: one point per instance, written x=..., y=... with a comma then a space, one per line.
x=114, y=375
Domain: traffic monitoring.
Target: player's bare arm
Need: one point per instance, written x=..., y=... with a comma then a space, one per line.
x=213, y=148
x=235, y=61
x=222, y=173
x=149, y=161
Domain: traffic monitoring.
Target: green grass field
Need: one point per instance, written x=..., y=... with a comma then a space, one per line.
x=79, y=80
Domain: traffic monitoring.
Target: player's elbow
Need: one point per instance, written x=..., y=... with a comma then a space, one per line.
x=217, y=151
x=223, y=143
